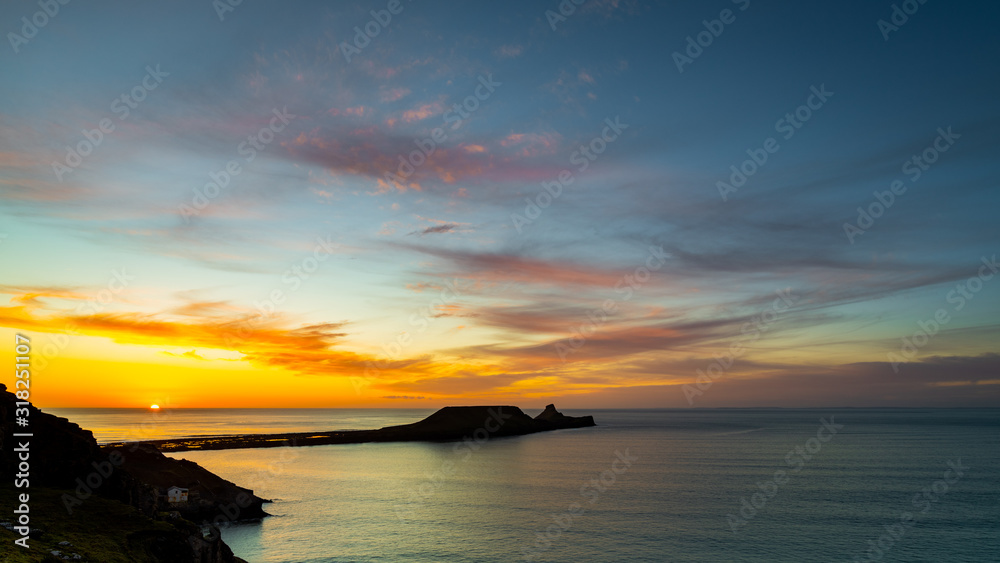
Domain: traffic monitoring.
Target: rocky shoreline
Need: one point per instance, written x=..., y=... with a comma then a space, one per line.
x=447, y=424
x=79, y=501
x=129, y=502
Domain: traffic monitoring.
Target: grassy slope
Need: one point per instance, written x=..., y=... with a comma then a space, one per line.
x=88, y=529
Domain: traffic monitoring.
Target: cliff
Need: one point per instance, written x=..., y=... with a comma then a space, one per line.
x=551, y=419
x=106, y=503
x=150, y=474
x=60, y=451
x=447, y=424
x=455, y=423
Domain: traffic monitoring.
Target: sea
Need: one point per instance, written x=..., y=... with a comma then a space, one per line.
x=699, y=485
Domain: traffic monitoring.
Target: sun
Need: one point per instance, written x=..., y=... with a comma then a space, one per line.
x=154, y=407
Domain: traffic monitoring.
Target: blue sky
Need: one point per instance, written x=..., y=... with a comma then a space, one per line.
x=370, y=316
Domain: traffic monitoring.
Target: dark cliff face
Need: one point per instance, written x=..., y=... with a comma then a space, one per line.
x=64, y=456
x=454, y=423
x=549, y=413
x=551, y=419
x=209, y=496
x=447, y=424
x=60, y=451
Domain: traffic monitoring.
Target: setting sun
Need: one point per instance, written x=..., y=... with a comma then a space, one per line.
x=154, y=407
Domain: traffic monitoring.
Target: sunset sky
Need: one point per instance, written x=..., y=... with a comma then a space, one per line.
x=313, y=278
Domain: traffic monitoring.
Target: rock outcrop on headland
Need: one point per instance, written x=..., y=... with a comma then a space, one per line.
x=447, y=424
x=455, y=423
x=552, y=419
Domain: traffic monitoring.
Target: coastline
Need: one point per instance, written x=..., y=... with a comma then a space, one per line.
x=447, y=424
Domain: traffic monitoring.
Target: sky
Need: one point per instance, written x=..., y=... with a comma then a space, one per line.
x=611, y=204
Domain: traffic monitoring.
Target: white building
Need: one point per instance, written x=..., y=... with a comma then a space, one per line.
x=177, y=494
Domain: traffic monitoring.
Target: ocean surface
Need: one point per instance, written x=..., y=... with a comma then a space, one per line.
x=645, y=485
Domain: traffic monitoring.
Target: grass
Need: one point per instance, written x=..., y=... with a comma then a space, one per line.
x=100, y=530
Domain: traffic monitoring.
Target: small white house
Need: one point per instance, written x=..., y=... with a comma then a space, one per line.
x=177, y=494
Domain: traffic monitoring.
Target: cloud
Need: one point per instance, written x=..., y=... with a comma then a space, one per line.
x=509, y=51
x=422, y=286
x=377, y=154
x=203, y=309
x=515, y=268
x=315, y=349
x=422, y=112
x=393, y=94
x=190, y=354
x=388, y=228
x=308, y=349
x=445, y=228
x=31, y=297
x=357, y=111
x=937, y=381
x=440, y=226
x=531, y=145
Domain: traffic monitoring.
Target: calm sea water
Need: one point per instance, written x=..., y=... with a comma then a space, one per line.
x=118, y=425
x=658, y=485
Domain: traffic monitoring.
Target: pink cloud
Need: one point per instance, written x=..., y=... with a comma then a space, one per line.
x=512, y=268
x=394, y=94
x=422, y=112
x=358, y=111
x=532, y=144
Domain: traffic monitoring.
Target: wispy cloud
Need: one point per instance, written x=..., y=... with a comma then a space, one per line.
x=509, y=51
x=436, y=229
x=422, y=112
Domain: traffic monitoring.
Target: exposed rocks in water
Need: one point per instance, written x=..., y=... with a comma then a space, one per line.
x=447, y=424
